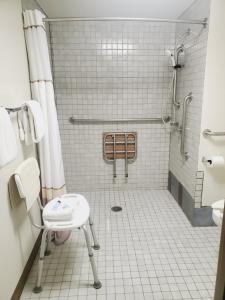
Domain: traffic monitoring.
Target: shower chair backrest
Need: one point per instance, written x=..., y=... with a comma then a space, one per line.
x=27, y=179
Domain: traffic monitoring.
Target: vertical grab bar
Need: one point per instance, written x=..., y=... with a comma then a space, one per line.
x=126, y=162
x=175, y=103
x=186, y=101
x=114, y=155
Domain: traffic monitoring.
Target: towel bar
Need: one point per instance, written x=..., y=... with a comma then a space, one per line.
x=15, y=109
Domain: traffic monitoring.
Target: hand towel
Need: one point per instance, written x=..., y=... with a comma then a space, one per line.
x=58, y=210
x=8, y=142
x=27, y=180
x=36, y=120
x=26, y=128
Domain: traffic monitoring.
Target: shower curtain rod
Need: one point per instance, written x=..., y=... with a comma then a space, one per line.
x=199, y=22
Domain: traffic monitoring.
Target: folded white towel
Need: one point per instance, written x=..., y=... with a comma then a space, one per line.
x=26, y=134
x=58, y=210
x=28, y=181
x=8, y=143
x=36, y=120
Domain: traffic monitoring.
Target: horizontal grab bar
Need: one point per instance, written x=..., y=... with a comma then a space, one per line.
x=73, y=120
x=208, y=132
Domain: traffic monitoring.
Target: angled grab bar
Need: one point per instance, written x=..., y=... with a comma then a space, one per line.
x=186, y=102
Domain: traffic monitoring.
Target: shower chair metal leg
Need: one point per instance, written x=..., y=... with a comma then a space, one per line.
x=48, y=240
x=96, y=244
x=38, y=288
x=97, y=284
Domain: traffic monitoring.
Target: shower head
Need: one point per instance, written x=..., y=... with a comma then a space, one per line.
x=179, y=49
x=170, y=54
x=180, y=55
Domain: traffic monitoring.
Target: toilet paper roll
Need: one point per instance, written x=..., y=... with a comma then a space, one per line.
x=215, y=162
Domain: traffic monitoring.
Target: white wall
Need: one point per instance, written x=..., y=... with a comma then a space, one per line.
x=213, y=111
x=115, y=8
x=17, y=234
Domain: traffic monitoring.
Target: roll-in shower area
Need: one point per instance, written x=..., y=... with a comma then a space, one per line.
x=115, y=78
x=129, y=103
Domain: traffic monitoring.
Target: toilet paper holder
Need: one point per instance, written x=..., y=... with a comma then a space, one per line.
x=205, y=160
x=214, y=161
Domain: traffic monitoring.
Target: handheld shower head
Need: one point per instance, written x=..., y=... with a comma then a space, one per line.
x=172, y=58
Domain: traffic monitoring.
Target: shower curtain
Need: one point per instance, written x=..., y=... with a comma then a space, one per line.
x=49, y=149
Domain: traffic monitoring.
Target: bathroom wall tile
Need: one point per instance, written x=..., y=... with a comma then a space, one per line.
x=112, y=70
x=199, y=174
x=198, y=189
x=190, y=79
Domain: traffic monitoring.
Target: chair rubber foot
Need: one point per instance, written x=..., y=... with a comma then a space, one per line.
x=96, y=247
x=97, y=285
x=48, y=252
x=37, y=289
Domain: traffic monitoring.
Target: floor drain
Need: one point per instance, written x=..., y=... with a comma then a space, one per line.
x=116, y=208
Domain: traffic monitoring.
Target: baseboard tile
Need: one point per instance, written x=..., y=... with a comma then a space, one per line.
x=199, y=217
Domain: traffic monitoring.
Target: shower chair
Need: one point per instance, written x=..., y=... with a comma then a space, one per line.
x=81, y=216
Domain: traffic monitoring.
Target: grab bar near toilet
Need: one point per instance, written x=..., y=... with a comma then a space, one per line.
x=208, y=132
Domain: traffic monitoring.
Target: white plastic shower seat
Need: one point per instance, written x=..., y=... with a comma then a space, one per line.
x=80, y=215
x=28, y=185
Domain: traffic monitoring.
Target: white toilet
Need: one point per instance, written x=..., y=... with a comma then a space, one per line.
x=217, y=212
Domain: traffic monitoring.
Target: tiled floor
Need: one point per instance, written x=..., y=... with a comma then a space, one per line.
x=148, y=251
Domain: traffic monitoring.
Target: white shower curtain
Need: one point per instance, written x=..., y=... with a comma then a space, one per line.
x=49, y=149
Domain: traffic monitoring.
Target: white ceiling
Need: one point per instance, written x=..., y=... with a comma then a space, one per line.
x=115, y=8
